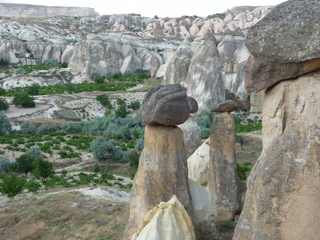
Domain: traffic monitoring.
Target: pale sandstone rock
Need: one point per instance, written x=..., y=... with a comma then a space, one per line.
x=191, y=135
x=256, y=101
x=162, y=173
x=204, y=79
x=198, y=164
x=224, y=185
x=283, y=187
x=167, y=221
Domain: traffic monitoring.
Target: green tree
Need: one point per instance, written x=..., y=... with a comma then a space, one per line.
x=23, y=99
x=33, y=89
x=4, y=62
x=23, y=164
x=105, y=149
x=43, y=169
x=5, y=125
x=4, y=106
x=11, y=185
x=5, y=164
x=34, y=152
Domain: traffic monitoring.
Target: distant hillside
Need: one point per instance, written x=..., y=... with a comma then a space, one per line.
x=13, y=10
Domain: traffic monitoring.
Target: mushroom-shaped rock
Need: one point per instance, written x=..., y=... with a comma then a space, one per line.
x=166, y=105
x=226, y=106
x=193, y=105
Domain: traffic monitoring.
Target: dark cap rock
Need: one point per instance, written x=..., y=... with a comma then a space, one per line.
x=193, y=104
x=226, y=106
x=166, y=105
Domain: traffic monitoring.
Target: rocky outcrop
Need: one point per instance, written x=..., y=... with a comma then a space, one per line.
x=191, y=135
x=283, y=187
x=166, y=105
x=226, y=106
x=162, y=170
x=167, y=221
x=280, y=54
x=13, y=10
x=224, y=185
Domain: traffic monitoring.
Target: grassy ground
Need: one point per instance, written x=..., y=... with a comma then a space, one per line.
x=62, y=216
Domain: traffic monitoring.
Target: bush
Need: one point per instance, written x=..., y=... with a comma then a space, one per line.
x=12, y=185
x=33, y=89
x=4, y=106
x=118, y=74
x=23, y=99
x=104, y=100
x=5, y=164
x=51, y=62
x=28, y=128
x=127, y=73
x=134, y=159
x=45, y=129
x=5, y=125
x=134, y=105
x=43, y=169
x=204, y=120
x=32, y=186
x=4, y=62
x=96, y=167
x=70, y=127
x=243, y=171
x=2, y=91
x=64, y=65
x=34, y=152
x=105, y=149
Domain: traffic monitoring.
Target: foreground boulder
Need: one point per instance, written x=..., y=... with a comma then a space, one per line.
x=284, y=185
x=284, y=44
x=167, y=221
x=162, y=173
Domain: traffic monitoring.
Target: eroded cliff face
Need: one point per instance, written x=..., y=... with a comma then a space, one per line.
x=283, y=187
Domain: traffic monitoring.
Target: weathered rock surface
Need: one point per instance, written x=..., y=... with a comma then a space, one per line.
x=279, y=54
x=256, y=100
x=198, y=164
x=234, y=55
x=283, y=187
x=166, y=105
x=225, y=106
x=162, y=173
x=191, y=135
x=224, y=183
x=193, y=105
x=37, y=11
x=167, y=221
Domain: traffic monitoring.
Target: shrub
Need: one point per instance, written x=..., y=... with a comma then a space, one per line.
x=46, y=129
x=140, y=144
x=34, y=152
x=33, y=89
x=105, y=149
x=5, y=125
x=96, y=167
x=43, y=169
x=134, y=159
x=51, y=62
x=2, y=91
x=104, y=100
x=4, y=106
x=12, y=185
x=127, y=73
x=4, y=62
x=134, y=105
x=70, y=127
x=64, y=65
x=243, y=171
x=23, y=99
x=204, y=120
x=28, y=128
x=32, y=186
x=117, y=74
x=5, y=164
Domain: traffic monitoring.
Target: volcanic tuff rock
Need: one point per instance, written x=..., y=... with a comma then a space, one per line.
x=167, y=221
x=279, y=54
x=224, y=184
x=165, y=105
x=283, y=187
x=162, y=173
x=225, y=106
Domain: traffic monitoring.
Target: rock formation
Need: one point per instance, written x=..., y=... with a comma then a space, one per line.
x=283, y=187
x=225, y=185
x=167, y=221
x=162, y=170
x=280, y=54
x=226, y=106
